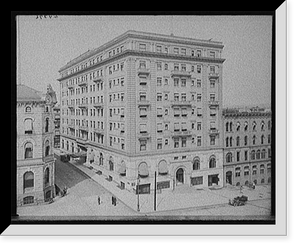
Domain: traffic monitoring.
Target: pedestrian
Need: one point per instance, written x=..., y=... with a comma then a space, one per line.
x=99, y=200
x=241, y=189
x=253, y=185
x=113, y=201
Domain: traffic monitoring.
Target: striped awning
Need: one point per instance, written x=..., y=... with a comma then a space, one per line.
x=143, y=170
x=162, y=167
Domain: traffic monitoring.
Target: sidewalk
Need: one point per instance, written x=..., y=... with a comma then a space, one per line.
x=180, y=198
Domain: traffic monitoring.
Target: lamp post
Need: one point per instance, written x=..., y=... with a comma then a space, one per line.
x=138, y=193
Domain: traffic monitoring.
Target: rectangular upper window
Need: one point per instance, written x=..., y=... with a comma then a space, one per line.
x=142, y=47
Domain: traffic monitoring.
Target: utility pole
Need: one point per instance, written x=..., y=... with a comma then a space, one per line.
x=138, y=193
x=155, y=191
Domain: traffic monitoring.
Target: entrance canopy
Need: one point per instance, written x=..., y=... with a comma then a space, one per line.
x=79, y=154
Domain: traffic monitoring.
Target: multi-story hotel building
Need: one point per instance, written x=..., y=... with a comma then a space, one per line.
x=145, y=103
x=35, y=160
x=56, y=113
x=247, y=146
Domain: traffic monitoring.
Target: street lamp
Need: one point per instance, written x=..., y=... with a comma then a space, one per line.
x=138, y=193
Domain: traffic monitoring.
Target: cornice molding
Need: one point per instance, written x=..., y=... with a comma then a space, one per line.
x=144, y=54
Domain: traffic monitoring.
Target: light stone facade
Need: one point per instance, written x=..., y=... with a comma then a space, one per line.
x=144, y=98
x=247, y=146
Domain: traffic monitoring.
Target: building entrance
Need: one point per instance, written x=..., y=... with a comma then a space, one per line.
x=229, y=177
x=179, y=176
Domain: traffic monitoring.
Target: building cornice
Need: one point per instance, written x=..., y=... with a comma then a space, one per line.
x=147, y=36
x=144, y=54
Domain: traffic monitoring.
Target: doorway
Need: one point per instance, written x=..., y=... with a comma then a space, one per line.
x=180, y=176
x=229, y=177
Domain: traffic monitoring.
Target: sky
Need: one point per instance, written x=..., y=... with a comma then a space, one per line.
x=45, y=45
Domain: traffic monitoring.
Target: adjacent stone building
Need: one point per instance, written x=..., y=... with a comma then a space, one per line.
x=145, y=103
x=247, y=145
x=35, y=160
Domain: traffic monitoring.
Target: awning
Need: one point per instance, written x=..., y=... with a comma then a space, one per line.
x=79, y=154
x=122, y=169
x=143, y=170
x=162, y=167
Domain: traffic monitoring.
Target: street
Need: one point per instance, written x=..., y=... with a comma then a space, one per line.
x=83, y=192
x=81, y=200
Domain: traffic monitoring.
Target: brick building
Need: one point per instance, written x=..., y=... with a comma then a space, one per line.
x=35, y=160
x=247, y=146
x=145, y=103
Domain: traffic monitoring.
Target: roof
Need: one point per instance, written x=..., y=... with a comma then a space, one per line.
x=141, y=35
x=25, y=93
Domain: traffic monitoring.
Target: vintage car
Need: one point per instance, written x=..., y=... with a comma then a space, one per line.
x=238, y=201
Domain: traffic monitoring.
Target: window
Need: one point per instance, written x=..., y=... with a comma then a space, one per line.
x=237, y=172
x=183, y=142
x=184, y=112
x=28, y=180
x=143, y=112
x=262, y=127
x=196, y=164
x=246, y=155
x=143, y=128
x=212, y=83
x=198, y=83
x=47, y=148
x=159, y=66
x=159, y=97
x=183, y=97
x=227, y=141
x=159, y=112
x=198, y=140
x=142, y=64
x=237, y=141
x=183, y=82
x=47, y=125
x=254, y=170
x=245, y=140
x=142, y=47
x=229, y=157
x=159, y=143
x=28, y=125
x=212, y=162
x=199, y=124
x=47, y=176
x=246, y=126
x=159, y=127
x=238, y=156
x=28, y=109
x=158, y=48
x=212, y=69
x=254, y=126
x=176, y=82
x=176, y=96
x=227, y=127
x=253, y=140
x=176, y=142
x=258, y=154
x=262, y=138
x=28, y=150
x=176, y=112
x=176, y=50
x=269, y=125
x=197, y=180
x=198, y=69
x=238, y=125
x=199, y=97
x=262, y=169
x=263, y=154
x=159, y=81
x=253, y=155
x=246, y=170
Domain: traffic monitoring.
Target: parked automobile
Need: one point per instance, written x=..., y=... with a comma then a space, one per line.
x=238, y=201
